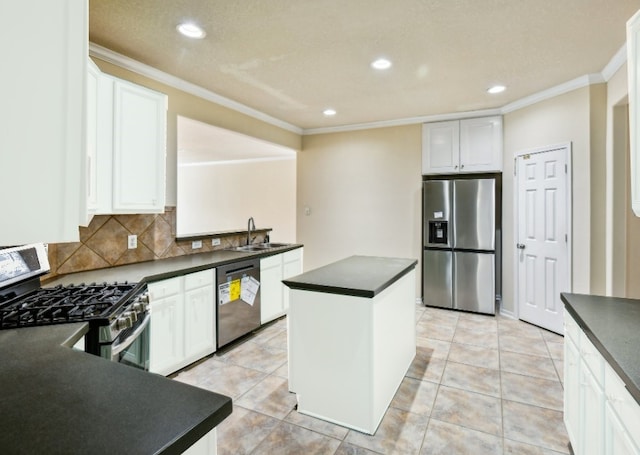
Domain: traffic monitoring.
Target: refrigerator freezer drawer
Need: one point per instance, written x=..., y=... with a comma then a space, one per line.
x=474, y=282
x=437, y=278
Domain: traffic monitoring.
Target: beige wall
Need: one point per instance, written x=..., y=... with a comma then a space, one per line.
x=184, y=104
x=222, y=197
x=363, y=189
x=562, y=119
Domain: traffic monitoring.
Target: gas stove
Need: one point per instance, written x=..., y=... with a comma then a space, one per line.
x=117, y=313
x=64, y=304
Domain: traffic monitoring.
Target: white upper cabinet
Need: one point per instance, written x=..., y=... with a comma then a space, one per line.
x=42, y=142
x=470, y=145
x=633, y=59
x=130, y=148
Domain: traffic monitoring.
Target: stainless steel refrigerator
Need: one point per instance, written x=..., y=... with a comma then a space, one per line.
x=459, y=232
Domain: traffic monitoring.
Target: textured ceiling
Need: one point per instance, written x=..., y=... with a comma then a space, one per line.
x=291, y=59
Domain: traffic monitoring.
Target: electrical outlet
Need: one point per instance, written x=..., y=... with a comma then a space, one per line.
x=132, y=242
x=196, y=244
x=307, y=211
x=215, y=242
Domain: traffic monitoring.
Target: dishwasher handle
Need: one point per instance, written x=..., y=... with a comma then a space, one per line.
x=241, y=269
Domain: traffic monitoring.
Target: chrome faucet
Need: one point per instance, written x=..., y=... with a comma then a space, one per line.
x=250, y=225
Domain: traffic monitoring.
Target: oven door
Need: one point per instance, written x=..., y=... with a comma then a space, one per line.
x=132, y=347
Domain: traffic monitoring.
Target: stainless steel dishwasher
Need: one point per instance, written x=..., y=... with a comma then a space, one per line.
x=238, y=295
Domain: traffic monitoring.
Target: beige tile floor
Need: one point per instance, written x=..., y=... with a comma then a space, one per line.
x=478, y=385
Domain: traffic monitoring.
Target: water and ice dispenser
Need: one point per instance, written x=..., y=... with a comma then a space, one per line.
x=438, y=232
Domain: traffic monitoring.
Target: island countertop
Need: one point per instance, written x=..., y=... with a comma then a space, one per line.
x=613, y=326
x=359, y=276
x=56, y=400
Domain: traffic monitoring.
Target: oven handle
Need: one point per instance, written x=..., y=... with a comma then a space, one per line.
x=131, y=338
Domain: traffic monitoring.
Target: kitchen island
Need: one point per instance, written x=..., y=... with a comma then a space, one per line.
x=56, y=400
x=351, y=329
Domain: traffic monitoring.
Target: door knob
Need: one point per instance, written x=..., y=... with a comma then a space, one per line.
x=520, y=246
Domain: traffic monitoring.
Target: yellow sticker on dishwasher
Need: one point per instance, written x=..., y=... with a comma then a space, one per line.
x=234, y=290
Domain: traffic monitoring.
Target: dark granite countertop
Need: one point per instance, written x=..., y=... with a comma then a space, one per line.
x=360, y=276
x=613, y=326
x=56, y=400
x=163, y=269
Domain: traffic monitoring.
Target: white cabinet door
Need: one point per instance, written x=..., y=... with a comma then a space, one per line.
x=199, y=323
x=481, y=144
x=440, y=147
x=42, y=138
x=592, y=412
x=167, y=334
x=139, y=152
x=93, y=81
x=271, y=288
x=572, y=391
x=618, y=440
x=633, y=57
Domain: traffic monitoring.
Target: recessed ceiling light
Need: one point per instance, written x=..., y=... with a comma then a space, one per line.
x=191, y=30
x=496, y=89
x=381, y=64
x=329, y=112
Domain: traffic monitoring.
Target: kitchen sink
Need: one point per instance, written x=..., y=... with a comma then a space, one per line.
x=258, y=247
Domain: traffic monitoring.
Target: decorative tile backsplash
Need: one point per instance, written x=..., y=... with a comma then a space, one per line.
x=104, y=243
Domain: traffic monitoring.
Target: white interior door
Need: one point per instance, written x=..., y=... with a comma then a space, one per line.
x=542, y=241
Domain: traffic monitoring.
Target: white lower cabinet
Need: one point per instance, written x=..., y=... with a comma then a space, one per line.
x=207, y=445
x=274, y=296
x=182, y=324
x=600, y=415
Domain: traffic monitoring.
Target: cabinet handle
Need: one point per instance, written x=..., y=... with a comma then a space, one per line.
x=462, y=166
x=455, y=167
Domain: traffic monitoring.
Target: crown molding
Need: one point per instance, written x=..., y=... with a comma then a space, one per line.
x=145, y=70
x=579, y=82
x=616, y=62
x=402, y=122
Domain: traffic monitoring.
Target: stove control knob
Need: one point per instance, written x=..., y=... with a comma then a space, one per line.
x=123, y=322
x=139, y=307
x=132, y=315
x=144, y=298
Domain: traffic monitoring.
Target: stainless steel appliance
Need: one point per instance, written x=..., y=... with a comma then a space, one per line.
x=460, y=219
x=238, y=295
x=117, y=313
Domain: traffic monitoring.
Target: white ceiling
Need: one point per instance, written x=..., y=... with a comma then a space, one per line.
x=291, y=59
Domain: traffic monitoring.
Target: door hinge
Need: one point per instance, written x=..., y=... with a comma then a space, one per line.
x=566, y=238
x=565, y=168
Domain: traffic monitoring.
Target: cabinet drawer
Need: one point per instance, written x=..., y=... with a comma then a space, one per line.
x=293, y=255
x=592, y=358
x=621, y=401
x=198, y=279
x=271, y=261
x=165, y=288
x=571, y=328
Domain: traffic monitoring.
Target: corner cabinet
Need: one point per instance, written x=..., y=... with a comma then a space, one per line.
x=274, y=296
x=129, y=147
x=633, y=61
x=459, y=146
x=182, y=327
x=601, y=416
x=42, y=140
